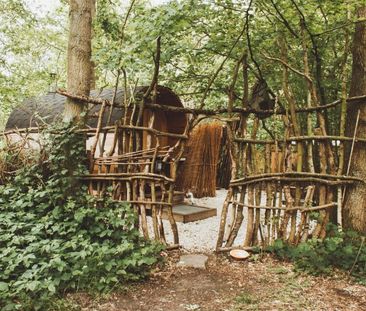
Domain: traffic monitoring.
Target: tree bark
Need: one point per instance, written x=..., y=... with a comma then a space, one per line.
x=355, y=200
x=79, y=65
x=93, y=75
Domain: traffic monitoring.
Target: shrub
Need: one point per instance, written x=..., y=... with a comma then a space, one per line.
x=344, y=250
x=55, y=238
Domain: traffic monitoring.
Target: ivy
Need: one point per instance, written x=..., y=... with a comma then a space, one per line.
x=56, y=238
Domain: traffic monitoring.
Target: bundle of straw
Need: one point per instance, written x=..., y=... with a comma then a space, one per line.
x=200, y=169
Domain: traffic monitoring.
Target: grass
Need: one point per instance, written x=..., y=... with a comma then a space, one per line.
x=288, y=291
x=245, y=301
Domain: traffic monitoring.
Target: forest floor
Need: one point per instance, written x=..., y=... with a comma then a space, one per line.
x=227, y=285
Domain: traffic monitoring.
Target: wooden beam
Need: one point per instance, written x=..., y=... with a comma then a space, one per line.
x=209, y=112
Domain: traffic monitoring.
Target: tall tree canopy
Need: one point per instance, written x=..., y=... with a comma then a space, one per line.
x=196, y=37
x=32, y=52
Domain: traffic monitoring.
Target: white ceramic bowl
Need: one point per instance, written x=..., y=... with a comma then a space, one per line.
x=239, y=254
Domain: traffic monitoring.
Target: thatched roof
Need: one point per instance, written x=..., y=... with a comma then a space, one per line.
x=48, y=108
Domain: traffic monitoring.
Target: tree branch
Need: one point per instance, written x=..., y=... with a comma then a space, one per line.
x=288, y=66
x=202, y=102
x=284, y=20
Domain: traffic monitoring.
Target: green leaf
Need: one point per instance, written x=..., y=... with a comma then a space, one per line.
x=52, y=288
x=4, y=287
x=32, y=285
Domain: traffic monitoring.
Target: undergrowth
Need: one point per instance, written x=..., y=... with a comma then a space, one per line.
x=54, y=238
x=343, y=250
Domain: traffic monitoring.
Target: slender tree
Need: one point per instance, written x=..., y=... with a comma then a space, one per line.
x=79, y=65
x=355, y=200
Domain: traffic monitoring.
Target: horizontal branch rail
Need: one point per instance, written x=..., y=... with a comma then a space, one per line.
x=30, y=130
x=299, y=175
x=311, y=180
x=35, y=130
x=133, y=128
x=298, y=138
x=149, y=203
x=209, y=112
x=134, y=153
x=295, y=208
x=296, y=177
x=126, y=176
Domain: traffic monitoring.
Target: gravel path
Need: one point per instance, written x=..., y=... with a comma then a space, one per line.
x=201, y=236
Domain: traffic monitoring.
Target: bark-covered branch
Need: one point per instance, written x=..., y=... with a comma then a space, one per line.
x=211, y=112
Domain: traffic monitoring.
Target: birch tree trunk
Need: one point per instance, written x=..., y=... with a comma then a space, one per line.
x=355, y=201
x=79, y=66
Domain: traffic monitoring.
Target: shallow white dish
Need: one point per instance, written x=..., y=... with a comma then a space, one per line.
x=239, y=254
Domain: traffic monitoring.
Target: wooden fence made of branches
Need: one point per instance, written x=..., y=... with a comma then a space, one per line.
x=288, y=187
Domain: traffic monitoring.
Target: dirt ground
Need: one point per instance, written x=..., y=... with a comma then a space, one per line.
x=228, y=285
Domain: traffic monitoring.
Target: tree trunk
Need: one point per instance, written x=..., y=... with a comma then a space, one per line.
x=79, y=66
x=355, y=200
x=93, y=77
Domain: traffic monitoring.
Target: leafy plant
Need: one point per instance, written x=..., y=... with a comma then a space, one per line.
x=55, y=238
x=344, y=250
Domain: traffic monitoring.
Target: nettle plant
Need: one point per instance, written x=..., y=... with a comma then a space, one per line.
x=55, y=238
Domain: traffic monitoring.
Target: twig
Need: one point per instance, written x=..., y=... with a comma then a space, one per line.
x=248, y=40
x=154, y=80
x=284, y=20
x=358, y=255
x=208, y=87
x=233, y=82
x=288, y=66
x=339, y=27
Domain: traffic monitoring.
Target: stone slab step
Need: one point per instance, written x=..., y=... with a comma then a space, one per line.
x=188, y=213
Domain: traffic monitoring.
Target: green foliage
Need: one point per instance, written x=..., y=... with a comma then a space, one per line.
x=196, y=37
x=344, y=250
x=55, y=238
x=33, y=46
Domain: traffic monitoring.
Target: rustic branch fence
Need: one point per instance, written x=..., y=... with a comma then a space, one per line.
x=288, y=187
x=279, y=197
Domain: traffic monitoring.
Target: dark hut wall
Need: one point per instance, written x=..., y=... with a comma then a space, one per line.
x=48, y=109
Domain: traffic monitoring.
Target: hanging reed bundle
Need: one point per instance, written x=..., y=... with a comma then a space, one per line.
x=200, y=169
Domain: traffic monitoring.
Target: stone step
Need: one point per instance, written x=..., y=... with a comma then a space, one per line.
x=188, y=213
